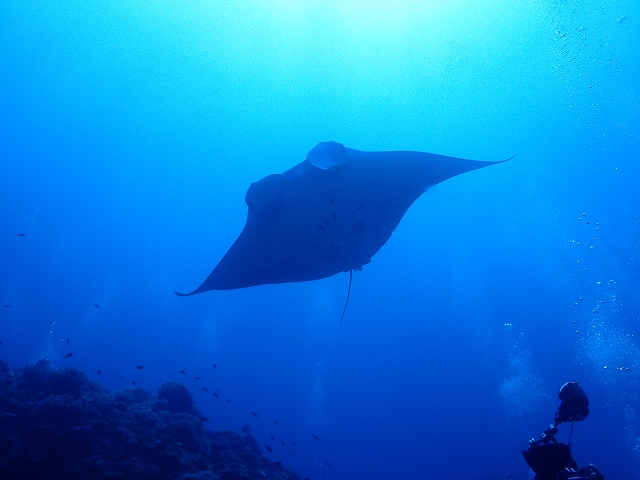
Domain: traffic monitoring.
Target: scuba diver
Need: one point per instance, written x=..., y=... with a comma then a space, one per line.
x=551, y=460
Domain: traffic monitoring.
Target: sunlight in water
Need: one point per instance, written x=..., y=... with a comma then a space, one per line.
x=375, y=14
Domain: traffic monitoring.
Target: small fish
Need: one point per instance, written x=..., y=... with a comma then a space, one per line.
x=246, y=428
x=96, y=305
x=205, y=419
x=228, y=400
x=282, y=442
x=140, y=367
x=315, y=436
x=51, y=322
x=205, y=389
x=7, y=306
x=293, y=443
x=272, y=437
x=23, y=235
x=99, y=372
x=328, y=464
x=254, y=414
x=197, y=378
x=183, y=372
x=215, y=366
x=269, y=449
x=215, y=394
x=0, y=343
x=68, y=355
x=277, y=464
x=134, y=383
x=67, y=341
x=276, y=422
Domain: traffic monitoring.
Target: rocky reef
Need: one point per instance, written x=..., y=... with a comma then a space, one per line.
x=59, y=424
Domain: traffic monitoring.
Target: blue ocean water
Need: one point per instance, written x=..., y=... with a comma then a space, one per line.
x=130, y=131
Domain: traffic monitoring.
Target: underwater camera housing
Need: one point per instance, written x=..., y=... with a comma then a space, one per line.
x=546, y=459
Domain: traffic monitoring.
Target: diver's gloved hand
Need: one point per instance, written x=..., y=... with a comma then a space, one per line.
x=595, y=473
x=590, y=472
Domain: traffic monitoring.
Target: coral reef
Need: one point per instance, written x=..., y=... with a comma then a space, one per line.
x=59, y=424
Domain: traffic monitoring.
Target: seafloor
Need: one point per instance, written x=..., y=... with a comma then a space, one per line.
x=59, y=424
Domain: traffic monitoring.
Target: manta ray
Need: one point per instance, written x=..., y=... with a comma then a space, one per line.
x=328, y=214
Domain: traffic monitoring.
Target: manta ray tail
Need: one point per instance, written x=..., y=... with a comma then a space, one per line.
x=348, y=295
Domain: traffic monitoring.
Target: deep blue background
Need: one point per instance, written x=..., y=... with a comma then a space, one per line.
x=130, y=131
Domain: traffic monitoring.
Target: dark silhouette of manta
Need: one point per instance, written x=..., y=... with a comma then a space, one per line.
x=330, y=213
